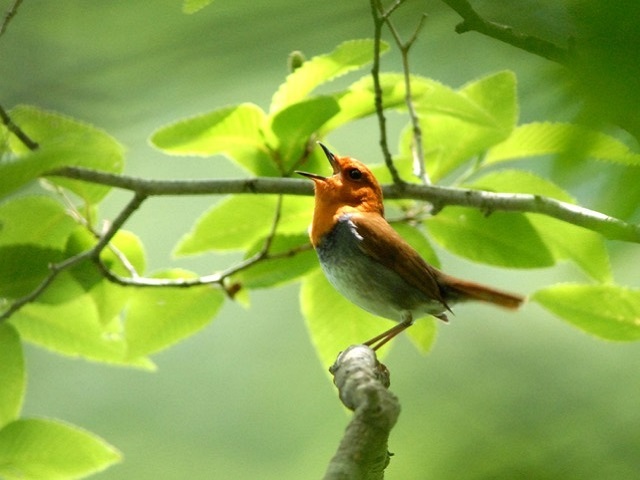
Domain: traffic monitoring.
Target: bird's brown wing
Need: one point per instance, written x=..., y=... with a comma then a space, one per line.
x=382, y=243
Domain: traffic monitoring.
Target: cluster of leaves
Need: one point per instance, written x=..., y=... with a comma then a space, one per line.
x=470, y=135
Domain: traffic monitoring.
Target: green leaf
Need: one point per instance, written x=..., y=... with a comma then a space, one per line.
x=584, y=247
x=607, y=311
x=108, y=297
x=495, y=95
x=193, y=6
x=237, y=222
x=502, y=239
x=348, y=56
x=563, y=139
x=74, y=327
x=461, y=125
x=358, y=100
x=24, y=267
x=334, y=323
x=128, y=245
x=36, y=449
x=417, y=240
x=157, y=318
x=12, y=374
x=519, y=181
x=565, y=241
x=235, y=131
x=282, y=269
x=63, y=142
x=232, y=224
x=35, y=220
x=294, y=125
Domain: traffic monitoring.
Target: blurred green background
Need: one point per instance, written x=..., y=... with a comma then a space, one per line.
x=499, y=397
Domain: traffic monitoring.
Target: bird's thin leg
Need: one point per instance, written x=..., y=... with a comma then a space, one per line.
x=378, y=341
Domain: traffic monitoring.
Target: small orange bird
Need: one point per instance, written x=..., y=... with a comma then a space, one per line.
x=370, y=264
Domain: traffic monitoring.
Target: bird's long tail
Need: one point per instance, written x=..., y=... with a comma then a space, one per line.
x=458, y=290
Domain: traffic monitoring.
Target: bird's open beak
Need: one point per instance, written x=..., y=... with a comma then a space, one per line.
x=332, y=160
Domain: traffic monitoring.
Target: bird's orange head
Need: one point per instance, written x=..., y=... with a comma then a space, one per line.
x=352, y=188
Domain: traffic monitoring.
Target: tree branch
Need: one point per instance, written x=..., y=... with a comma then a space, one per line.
x=472, y=21
x=363, y=385
x=93, y=254
x=8, y=16
x=379, y=18
x=439, y=196
x=417, y=152
x=16, y=130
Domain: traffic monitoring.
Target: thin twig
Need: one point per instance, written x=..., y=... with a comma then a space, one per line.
x=419, y=169
x=274, y=228
x=82, y=220
x=122, y=217
x=378, y=22
x=54, y=270
x=93, y=253
x=213, y=279
x=472, y=21
x=16, y=130
x=218, y=277
x=8, y=16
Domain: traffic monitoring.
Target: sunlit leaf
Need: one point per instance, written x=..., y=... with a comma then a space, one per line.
x=12, y=374
x=109, y=298
x=238, y=221
x=232, y=224
x=35, y=220
x=125, y=251
x=63, y=141
x=348, y=56
x=607, y=311
x=35, y=449
x=562, y=139
x=294, y=125
x=501, y=239
x=496, y=95
x=585, y=247
x=157, y=318
x=459, y=125
x=74, y=327
x=193, y=6
x=417, y=240
x=358, y=100
x=294, y=257
x=235, y=131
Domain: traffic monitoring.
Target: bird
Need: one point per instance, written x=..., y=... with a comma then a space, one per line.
x=370, y=264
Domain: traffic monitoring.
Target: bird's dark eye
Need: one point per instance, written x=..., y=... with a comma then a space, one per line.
x=355, y=174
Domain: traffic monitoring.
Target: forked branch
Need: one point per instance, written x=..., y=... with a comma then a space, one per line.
x=472, y=21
